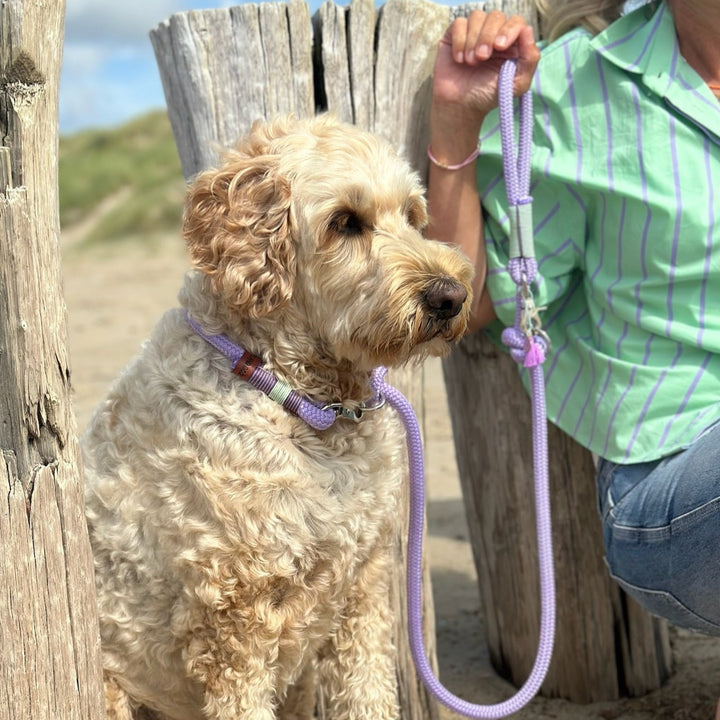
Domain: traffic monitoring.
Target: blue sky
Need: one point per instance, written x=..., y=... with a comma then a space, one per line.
x=109, y=73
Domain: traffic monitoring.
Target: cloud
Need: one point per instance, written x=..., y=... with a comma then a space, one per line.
x=102, y=86
x=109, y=71
x=106, y=21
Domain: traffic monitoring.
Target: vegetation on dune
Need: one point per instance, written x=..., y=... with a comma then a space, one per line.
x=126, y=180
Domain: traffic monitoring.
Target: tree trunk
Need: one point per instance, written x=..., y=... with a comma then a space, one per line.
x=48, y=620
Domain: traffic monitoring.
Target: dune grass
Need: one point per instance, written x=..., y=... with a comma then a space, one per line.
x=136, y=165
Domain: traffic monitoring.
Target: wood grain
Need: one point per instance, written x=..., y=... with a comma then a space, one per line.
x=48, y=621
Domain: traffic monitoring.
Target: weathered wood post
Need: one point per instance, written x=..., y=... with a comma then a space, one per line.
x=606, y=645
x=222, y=69
x=48, y=622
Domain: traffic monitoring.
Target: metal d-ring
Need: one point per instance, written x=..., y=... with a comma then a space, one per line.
x=356, y=414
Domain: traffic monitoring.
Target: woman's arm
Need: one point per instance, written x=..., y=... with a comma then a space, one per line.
x=464, y=91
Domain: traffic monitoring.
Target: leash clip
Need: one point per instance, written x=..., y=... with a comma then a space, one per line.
x=356, y=414
x=530, y=322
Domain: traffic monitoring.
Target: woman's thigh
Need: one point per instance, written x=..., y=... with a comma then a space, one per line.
x=661, y=527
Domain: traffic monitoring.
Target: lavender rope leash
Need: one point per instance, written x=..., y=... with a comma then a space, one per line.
x=528, y=345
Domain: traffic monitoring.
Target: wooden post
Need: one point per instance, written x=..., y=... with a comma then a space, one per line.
x=48, y=622
x=606, y=645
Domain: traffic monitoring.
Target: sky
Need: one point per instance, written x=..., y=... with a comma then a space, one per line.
x=109, y=72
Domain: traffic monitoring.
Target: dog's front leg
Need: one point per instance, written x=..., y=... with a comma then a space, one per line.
x=299, y=703
x=357, y=666
x=236, y=670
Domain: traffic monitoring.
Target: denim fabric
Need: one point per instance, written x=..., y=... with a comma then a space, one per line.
x=661, y=528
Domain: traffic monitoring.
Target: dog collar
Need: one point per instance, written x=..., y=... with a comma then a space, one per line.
x=249, y=367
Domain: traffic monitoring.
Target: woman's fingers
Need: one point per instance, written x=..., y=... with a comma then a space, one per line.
x=480, y=36
x=483, y=30
x=470, y=56
x=528, y=58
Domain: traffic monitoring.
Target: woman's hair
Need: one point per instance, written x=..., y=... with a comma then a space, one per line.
x=559, y=16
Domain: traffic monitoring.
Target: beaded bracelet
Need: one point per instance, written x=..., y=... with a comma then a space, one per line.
x=474, y=154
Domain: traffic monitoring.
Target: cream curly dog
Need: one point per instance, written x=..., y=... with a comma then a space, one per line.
x=242, y=555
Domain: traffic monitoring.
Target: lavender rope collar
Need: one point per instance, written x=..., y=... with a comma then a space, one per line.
x=249, y=367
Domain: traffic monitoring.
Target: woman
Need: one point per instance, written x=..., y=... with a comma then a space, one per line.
x=626, y=171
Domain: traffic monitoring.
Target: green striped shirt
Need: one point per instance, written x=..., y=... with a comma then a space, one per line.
x=626, y=187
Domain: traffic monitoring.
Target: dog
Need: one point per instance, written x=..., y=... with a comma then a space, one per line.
x=242, y=555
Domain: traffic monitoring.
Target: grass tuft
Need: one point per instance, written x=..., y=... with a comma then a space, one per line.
x=136, y=165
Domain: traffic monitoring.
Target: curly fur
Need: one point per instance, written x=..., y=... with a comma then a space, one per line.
x=241, y=556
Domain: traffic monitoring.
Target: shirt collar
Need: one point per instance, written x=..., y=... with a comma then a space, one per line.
x=646, y=45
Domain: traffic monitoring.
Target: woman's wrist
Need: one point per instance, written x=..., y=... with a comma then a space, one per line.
x=454, y=133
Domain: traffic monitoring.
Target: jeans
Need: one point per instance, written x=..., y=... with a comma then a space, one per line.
x=661, y=528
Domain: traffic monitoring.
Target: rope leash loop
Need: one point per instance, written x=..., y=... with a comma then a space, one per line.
x=528, y=345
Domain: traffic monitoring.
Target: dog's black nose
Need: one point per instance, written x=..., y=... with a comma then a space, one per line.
x=444, y=298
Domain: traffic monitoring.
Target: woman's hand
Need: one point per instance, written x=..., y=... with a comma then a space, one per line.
x=468, y=62
x=465, y=85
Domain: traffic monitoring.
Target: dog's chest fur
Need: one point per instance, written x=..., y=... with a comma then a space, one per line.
x=234, y=511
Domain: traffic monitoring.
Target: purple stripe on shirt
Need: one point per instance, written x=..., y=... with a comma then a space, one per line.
x=618, y=404
x=573, y=192
x=692, y=90
x=565, y=301
x=630, y=36
x=557, y=353
x=700, y=417
x=590, y=395
x=559, y=251
x=685, y=399
x=674, y=62
x=545, y=119
x=574, y=112
x=542, y=223
x=648, y=402
x=608, y=121
x=601, y=396
x=608, y=292
x=623, y=335
x=644, y=196
x=571, y=388
x=491, y=186
x=601, y=236
x=708, y=242
x=676, y=230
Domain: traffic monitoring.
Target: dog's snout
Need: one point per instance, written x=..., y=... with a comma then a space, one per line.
x=444, y=297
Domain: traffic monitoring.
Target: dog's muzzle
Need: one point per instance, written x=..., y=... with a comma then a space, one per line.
x=444, y=298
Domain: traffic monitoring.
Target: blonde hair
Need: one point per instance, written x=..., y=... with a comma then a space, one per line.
x=559, y=16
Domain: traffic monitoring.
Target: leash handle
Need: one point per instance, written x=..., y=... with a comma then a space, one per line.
x=516, y=169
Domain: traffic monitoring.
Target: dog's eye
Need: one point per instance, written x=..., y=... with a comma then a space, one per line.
x=347, y=223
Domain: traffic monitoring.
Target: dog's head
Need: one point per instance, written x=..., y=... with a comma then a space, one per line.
x=318, y=226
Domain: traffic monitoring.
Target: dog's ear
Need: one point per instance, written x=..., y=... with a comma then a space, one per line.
x=237, y=228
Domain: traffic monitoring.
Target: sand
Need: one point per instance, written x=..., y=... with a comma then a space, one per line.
x=114, y=297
